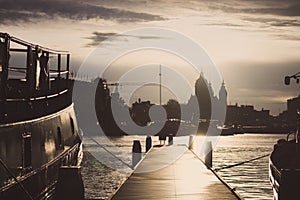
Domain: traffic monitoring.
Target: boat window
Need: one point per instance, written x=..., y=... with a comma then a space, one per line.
x=26, y=149
x=59, y=138
x=72, y=125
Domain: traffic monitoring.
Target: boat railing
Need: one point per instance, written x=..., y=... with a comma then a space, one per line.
x=51, y=72
x=41, y=82
x=28, y=44
x=275, y=172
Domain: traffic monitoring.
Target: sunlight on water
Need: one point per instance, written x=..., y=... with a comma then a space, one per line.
x=251, y=179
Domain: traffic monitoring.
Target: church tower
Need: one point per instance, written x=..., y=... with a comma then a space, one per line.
x=203, y=94
x=223, y=94
x=222, y=104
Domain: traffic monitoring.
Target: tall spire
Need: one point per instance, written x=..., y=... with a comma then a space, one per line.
x=223, y=93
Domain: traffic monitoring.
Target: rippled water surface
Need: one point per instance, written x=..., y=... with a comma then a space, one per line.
x=251, y=179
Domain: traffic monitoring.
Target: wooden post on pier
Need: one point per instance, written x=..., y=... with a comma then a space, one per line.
x=208, y=154
x=191, y=142
x=136, y=153
x=170, y=139
x=148, y=143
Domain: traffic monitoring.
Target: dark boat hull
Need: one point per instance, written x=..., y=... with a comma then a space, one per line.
x=284, y=170
x=285, y=183
x=33, y=151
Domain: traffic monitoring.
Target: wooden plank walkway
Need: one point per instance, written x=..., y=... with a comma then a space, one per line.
x=163, y=174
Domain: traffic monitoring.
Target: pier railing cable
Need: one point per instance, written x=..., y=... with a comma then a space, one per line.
x=110, y=153
x=15, y=178
x=241, y=163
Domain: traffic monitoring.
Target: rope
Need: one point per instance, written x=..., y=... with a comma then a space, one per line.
x=18, y=182
x=110, y=153
x=240, y=163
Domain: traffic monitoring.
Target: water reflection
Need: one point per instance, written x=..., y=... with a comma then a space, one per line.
x=251, y=179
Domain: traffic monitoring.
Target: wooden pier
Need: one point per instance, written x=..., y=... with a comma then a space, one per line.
x=162, y=175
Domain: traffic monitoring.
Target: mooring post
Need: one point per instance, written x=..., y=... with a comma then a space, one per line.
x=208, y=154
x=191, y=142
x=148, y=143
x=136, y=153
x=170, y=141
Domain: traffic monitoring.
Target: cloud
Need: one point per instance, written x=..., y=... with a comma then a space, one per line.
x=279, y=26
x=257, y=15
x=291, y=10
x=265, y=7
x=98, y=37
x=15, y=11
x=233, y=25
x=274, y=21
x=287, y=37
x=286, y=23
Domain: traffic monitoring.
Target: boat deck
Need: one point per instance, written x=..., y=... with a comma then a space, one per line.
x=163, y=175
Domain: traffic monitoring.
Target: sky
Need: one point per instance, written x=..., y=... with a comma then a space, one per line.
x=253, y=43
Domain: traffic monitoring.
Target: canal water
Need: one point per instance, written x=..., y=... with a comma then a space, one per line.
x=251, y=179
x=107, y=162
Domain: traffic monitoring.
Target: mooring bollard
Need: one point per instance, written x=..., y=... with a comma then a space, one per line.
x=69, y=184
x=191, y=142
x=170, y=141
x=148, y=143
x=136, y=153
x=208, y=154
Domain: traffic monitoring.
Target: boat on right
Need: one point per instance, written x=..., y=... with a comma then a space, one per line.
x=284, y=162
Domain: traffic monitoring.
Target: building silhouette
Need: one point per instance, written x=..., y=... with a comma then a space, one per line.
x=106, y=105
x=293, y=107
x=246, y=115
x=139, y=112
x=204, y=94
x=201, y=109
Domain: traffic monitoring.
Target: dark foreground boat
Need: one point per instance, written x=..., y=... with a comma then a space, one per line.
x=39, y=140
x=284, y=164
x=285, y=169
